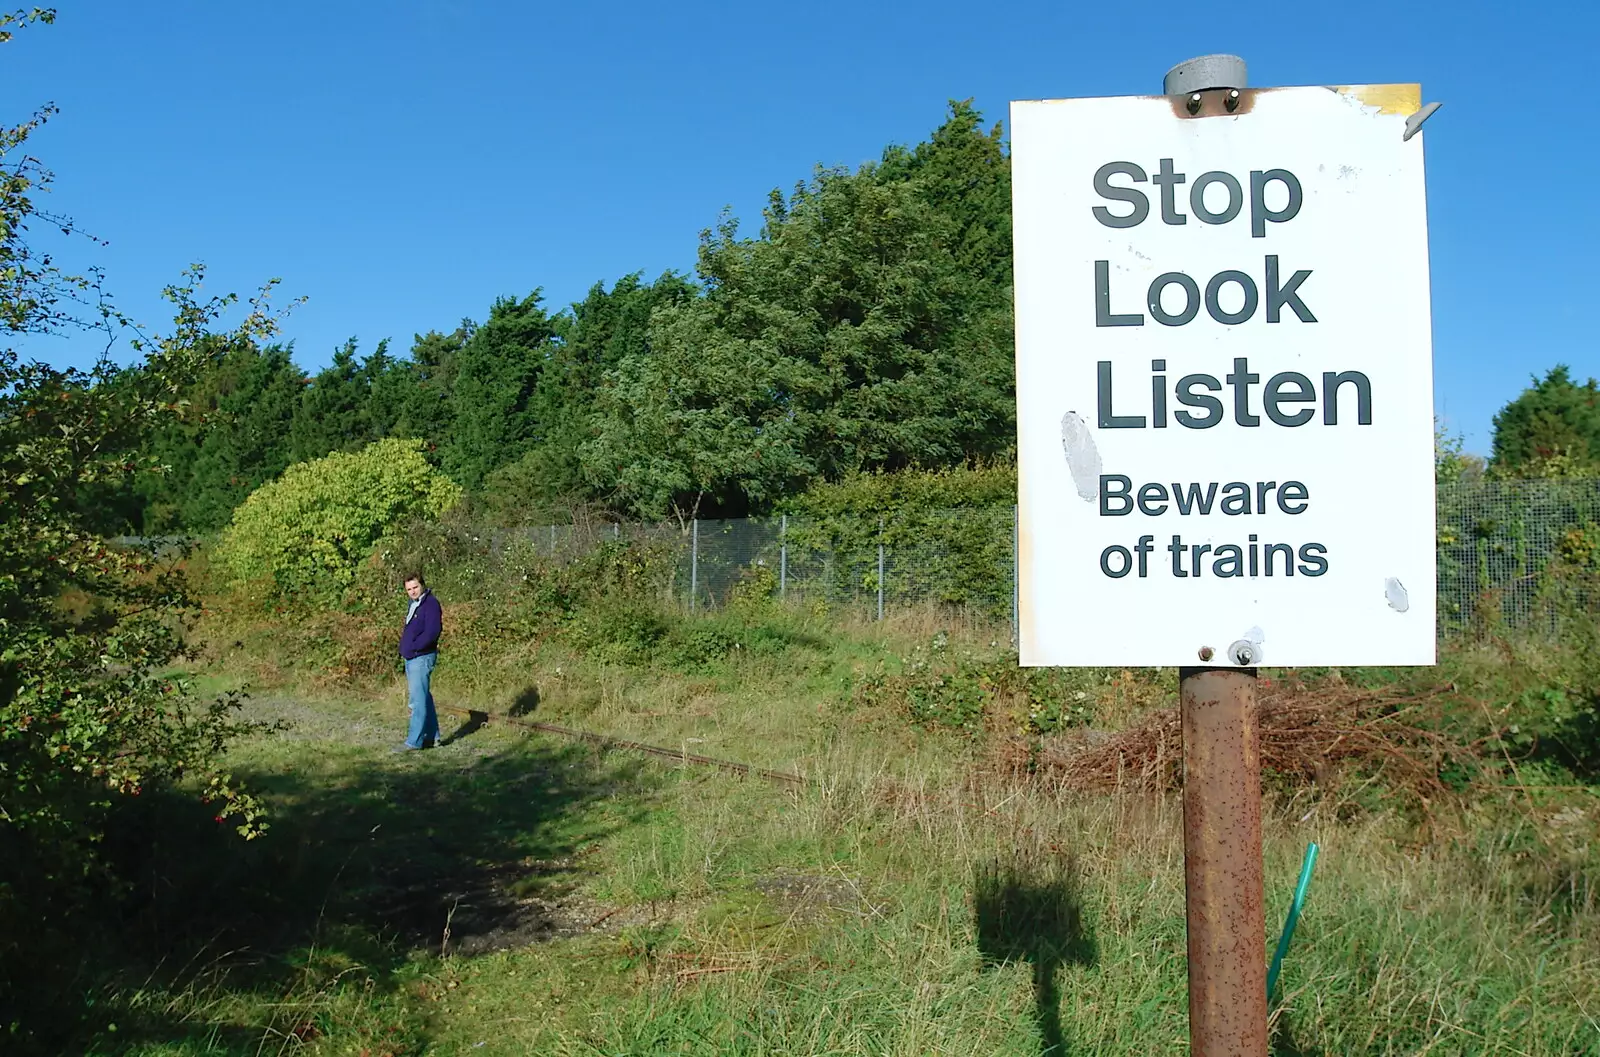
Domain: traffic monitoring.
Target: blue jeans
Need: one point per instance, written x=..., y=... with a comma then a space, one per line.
x=424, y=720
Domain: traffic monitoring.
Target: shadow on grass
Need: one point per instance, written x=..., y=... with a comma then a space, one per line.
x=1284, y=1043
x=525, y=703
x=474, y=722
x=1029, y=907
x=368, y=863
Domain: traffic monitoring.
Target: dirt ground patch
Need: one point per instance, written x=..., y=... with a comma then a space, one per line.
x=810, y=897
x=492, y=916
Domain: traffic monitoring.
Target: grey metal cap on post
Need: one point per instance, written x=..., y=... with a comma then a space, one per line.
x=1204, y=73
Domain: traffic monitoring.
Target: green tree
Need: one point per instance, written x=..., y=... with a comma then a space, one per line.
x=867, y=328
x=333, y=413
x=88, y=629
x=965, y=174
x=417, y=391
x=604, y=329
x=230, y=435
x=1452, y=463
x=87, y=626
x=495, y=374
x=1551, y=429
x=301, y=537
x=384, y=379
x=699, y=426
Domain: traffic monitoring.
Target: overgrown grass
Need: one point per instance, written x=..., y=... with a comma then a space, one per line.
x=878, y=911
x=509, y=894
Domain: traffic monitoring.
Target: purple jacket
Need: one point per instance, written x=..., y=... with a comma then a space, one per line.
x=421, y=634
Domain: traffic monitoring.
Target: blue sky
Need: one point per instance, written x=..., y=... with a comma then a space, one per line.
x=400, y=164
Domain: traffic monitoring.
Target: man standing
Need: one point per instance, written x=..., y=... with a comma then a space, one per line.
x=419, y=646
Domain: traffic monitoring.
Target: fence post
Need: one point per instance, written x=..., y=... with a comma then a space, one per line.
x=783, y=557
x=552, y=539
x=1016, y=569
x=880, y=568
x=694, y=563
x=616, y=530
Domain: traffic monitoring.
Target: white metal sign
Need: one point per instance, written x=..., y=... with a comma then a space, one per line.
x=1224, y=380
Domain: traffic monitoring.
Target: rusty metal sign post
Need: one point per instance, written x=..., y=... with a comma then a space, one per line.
x=1224, y=887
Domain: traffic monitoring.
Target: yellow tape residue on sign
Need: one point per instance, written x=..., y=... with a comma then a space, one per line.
x=1388, y=98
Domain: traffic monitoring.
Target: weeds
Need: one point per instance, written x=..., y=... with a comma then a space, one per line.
x=949, y=881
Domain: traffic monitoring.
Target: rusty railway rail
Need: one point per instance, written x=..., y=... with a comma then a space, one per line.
x=608, y=742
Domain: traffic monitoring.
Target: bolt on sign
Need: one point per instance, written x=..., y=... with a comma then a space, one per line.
x=1224, y=379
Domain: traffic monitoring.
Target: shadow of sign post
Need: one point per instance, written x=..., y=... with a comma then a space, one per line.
x=1028, y=906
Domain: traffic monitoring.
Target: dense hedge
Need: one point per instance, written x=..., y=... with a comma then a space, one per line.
x=304, y=535
x=946, y=535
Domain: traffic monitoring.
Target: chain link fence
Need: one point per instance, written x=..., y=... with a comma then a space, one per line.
x=1496, y=540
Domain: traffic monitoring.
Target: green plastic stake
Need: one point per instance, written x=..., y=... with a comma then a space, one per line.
x=1294, y=917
